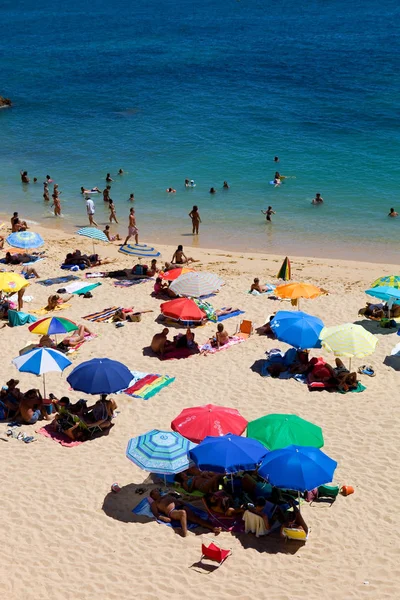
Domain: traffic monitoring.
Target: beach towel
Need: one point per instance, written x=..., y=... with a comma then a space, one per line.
x=72, y=267
x=99, y=274
x=80, y=287
x=60, y=438
x=54, y=280
x=129, y=282
x=360, y=388
x=270, y=288
x=232, y=342
x=16, y=318
x=236, y=313
x=143, y=509
x=103, y=316
x=45, y=311
x=147, y=385
x=178, y=353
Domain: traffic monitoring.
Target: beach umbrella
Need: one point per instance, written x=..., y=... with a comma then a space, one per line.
x=295, y=291
x=387, y=280
x=11, y=282
x=279, y=430
x=386, y=293
x=196, y=284
x=300, y=468
x=164, y=452
x=198, y=422
x=139, y=250
x=348, y=340
x=175, y=273
x=228, y=454
x=100, y=376
x=285, y=272
x=182, y=309
x=25, y=239
x=94, y=234
x=298, y=329
x=52, y=326
x=41, y=361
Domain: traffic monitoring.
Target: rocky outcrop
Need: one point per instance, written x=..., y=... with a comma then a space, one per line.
x=4, y=102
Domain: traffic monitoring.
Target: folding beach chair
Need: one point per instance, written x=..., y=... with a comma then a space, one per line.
x=215, y=553
x=245, y=329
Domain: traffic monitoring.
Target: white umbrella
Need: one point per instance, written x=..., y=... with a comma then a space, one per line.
x=196, y=284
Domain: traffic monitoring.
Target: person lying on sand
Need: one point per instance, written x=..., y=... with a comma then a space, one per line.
x=18, y=258
x=167, y=508
x=379, y=311
x=55, y=300
x=225, y=311
x=266, y=329
x=255, y=286
x=162, y=289
x=126, y=314
x=160, y=344
x=204, y=482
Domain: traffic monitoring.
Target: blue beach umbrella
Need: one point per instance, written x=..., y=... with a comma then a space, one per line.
x=385, y=293
x=100, y=376
x=41, y=361
x=298, y=329
x=93, y=234
x=300, y=468
x=139, y=250
x=163, y=452
x=228, y=454
x=25, y=239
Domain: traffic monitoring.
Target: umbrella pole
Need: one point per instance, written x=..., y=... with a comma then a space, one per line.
x=44, y=386
x=233, y=489
x=350, y=364
x=165, y=480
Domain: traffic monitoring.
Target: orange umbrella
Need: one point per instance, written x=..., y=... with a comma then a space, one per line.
x=295, y=291
x=175, y=273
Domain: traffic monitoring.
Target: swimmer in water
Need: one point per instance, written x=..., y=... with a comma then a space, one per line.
x=108, y=177
x=35, y=180
x=225, y=186
x=213, y=191
x=46, y=196
x=277, y=181
x=393, y=213
x=170, y=190
x=268, y=213
x=24, y=176
x=49, y=179
x=120, y=172
x=131, y=198
x=317, y=199
x=276, y=158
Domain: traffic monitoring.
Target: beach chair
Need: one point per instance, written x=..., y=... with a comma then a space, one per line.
x=215, y=553
x=245, y=329
x=91, y=429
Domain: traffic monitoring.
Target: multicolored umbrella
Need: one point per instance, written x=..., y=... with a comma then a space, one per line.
x=298, y=329
x=25, y=239
x=198, y=422
x=41, y=361
x=11, y=282
x=100, y=376
x=279, y=430
x=139, y=250
x=164, y=452
x=182, y=309
x=228, y=454
x=295, y=291
x=300, y=468
x=175, y=273
x=285, y=272
x=196, y=284
x=52, y=326
x=392, y=281
x=348, y=340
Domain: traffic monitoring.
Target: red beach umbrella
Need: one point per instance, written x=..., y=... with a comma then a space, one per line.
x=182, y=309
x=198, y=422
x=175, y=273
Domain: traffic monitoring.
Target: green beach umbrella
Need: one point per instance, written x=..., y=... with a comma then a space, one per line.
x=279, y=430
x=388, y=280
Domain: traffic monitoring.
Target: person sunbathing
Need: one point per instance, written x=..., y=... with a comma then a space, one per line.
x=204, y=482
x=221, y=336
x=101, y=413
x=76, y=338
x=167, y=508
x=255, y=286
x=222, y=503
x=125, y=314
x=160, y=344
x=29, y=273
x=55, y=300
x=32, y=408
x=380, y=311
x=153, y=269
x=18, y=258
x=162, y=289
x=225, y=311
x=338, y=376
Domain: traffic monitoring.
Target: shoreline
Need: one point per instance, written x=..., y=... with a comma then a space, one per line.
x=63, y=227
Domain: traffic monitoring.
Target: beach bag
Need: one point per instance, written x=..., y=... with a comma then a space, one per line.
x=136, y=317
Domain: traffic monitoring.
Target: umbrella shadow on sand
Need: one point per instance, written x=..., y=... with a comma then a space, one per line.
x=374, y=327
x=271, y=544
x=393, y=362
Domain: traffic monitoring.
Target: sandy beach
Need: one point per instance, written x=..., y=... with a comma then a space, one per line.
x=67, y=536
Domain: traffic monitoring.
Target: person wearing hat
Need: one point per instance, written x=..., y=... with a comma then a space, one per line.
x=10, y=398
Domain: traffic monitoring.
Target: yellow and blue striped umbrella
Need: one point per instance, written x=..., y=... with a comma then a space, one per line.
x=196, y=284
x=348, y=340
x=388, y=280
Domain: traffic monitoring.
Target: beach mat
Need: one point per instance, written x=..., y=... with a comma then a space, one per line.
x=232, y=342
x=103, y=316
x=143, y=509
x=236, y=313
x=60, y=438
x=129, y=282
x=44, y=311
x=147, y=385
x=57, y=280
x=81, y=287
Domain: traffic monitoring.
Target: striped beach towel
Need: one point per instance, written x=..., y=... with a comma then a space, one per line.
x=103, y=316
x=147, y=385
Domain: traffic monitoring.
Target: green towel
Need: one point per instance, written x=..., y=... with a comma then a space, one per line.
x=360, y=388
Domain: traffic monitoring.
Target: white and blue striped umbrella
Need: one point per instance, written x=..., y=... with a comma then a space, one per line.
x=164, y=452
x=25, y=239
x=93, y=233
x=139, y=250
x=41, y=360
x=196, y=284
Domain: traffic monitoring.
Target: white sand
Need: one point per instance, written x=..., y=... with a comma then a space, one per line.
x=66, y=536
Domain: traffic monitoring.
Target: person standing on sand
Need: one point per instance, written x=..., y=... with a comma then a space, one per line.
x=90, y=211
x=268, y=213
x=195, y=216
x=132, y=229
x=111, y=206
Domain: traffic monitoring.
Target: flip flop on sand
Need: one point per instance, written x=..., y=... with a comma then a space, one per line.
x=366, y=370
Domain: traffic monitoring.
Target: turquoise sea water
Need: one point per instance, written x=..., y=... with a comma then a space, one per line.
x=209, y=90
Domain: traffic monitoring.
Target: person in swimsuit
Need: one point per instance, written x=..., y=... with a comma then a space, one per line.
x=111, y=207
x=204, y=482
x=179, y=258
x=225, y=186
x=10, y=398
x=393, y=213
x=46, y=196
x=170, y=190
x=167, y=508
x=195, y=216
x=317, y=199
x=111, y=238
x=17, y=224
x=153, y=268
x=106, y=193
x=131, y=198
x=276, y=158
x=132, y=229
x=108, y=178
x=268, y=213
x=32, y=408
x=162, y=289
x=57, y=206
x=120, y=172
x=18, y=258
x=160, y=344
x=24, y=176
x=213, y=191
x=255, y=286
x=185, y=340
